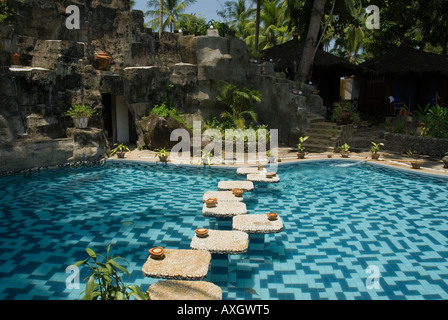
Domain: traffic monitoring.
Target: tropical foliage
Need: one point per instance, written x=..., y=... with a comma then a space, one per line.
x=5, y=11
x=172, y=10
x=240, y=101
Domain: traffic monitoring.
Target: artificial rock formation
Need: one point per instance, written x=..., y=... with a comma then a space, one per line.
x=58, y=70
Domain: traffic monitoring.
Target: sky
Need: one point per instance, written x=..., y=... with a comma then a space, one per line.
x=207, y=8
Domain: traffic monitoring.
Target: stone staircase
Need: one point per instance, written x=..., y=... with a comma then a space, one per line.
x=320, y=133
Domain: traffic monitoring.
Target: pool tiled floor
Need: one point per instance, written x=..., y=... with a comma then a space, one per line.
x=332, y=232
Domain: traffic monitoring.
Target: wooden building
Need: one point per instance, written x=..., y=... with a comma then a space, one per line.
x=403, y=80
x=327, y=69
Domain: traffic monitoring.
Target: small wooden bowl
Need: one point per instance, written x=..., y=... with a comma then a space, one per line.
x=202, y=232
x=212, y=202
x=270, y=175
x=238, y=192
x=157, y=253
x=272, y=216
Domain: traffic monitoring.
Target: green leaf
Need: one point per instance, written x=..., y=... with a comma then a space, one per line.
x=89, y=288
x=91, y=253
x=116, y=264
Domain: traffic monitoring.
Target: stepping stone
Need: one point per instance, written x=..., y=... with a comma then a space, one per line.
x=257, y=223
x=261, y=178
x=222, y=242
x=184, y=290
x=222, y=196
x=249, y=170
x=225, y=210
x=230, y=185
x=179, y=265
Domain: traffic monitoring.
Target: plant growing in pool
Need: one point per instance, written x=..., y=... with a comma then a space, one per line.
x=120, y=150
x=105, y=281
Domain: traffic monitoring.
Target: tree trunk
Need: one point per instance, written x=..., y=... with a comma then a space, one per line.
x=257, y=24
x=161, y=19
x=308, y=54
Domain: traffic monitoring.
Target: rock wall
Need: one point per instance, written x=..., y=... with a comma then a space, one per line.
x=59, y=71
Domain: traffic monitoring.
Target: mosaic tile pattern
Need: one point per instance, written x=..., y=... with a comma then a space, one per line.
x=339, y=218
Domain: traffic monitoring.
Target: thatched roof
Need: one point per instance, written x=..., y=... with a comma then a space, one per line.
x=406, y=60
x=287, y=55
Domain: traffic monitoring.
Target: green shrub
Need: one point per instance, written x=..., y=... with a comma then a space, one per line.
x=80, y=110
x=436, y=122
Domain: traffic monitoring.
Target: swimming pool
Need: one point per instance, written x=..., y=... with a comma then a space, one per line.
x=340, y=218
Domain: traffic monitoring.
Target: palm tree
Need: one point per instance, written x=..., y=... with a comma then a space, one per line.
x=257, y=23
x=274, y=24
x=241, y=102
x=309, y=52
x=239, y=17
x=171, y=9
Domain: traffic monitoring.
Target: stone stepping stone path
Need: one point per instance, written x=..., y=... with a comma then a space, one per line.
x=261, y=178
x=230, y=185
x=179, y=265
x=181, y=290
x=257, y=224
x=222, y=242
x=225, y=210
x=185, y=268
x=222, y=196
x=249, y=170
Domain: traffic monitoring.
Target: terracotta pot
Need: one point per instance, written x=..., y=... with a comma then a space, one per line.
x=329, y=155
x=345, y=154
x=445, y=162
x=81, y=122
x=300, y=155
x=272, y=216
x=202, y=233
x=375, y=156
x=121, y=154
x=157, y=253
x=15, y=59
x=270, y=175
x=210, y=203
x=260, y=167
x=416, y=164
x=163, y=159
x=238, y=192
x=102, y=60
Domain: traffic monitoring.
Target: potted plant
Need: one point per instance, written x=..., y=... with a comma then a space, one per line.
x=163, y=154
x=416, y=162
x=374, y=150
x=345, y=150
x=206, y=158
x=120, y=150
x=80, y=114
x=301, y=148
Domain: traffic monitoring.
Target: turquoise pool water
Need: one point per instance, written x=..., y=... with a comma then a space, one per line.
x=341, y=217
